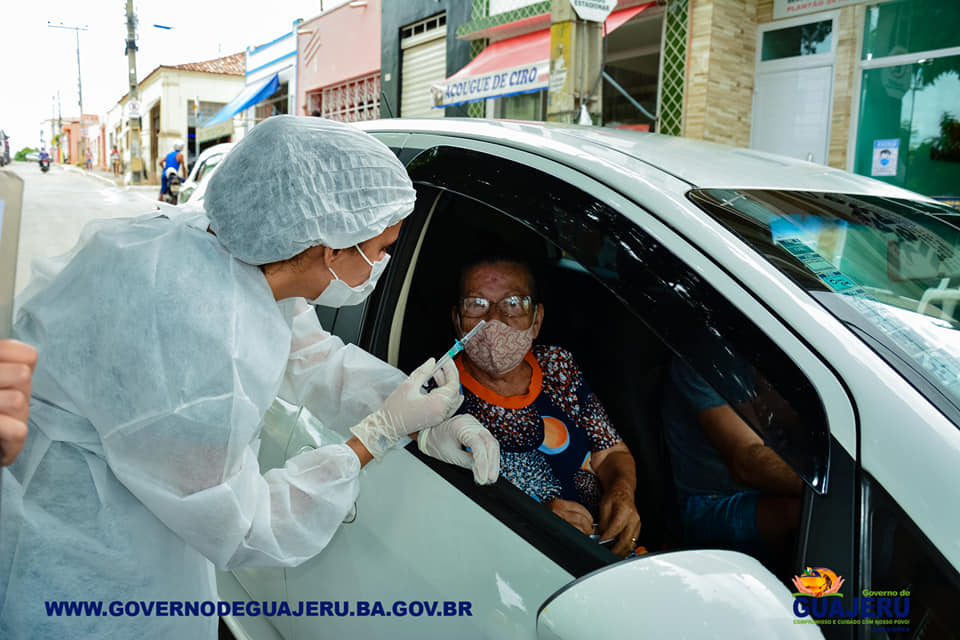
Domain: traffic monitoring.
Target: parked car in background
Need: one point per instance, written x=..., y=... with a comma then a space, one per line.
x=4, y=148
x=33, y=156
x=203, y=168
x=839, y=291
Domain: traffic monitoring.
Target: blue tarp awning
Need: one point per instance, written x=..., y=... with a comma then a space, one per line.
x=250, y=96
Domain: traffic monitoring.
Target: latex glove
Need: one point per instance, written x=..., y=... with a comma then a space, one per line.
x=408, y=409
x=447, y=441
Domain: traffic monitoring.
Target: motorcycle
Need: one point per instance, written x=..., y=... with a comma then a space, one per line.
x=44, y=164
x=174, y=181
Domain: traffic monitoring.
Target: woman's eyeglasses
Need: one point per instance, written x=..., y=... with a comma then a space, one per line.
x=510, y=307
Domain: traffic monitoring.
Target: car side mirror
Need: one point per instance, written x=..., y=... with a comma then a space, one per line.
x=705, y=593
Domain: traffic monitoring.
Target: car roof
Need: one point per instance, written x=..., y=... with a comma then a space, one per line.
x=698, y=163
x=222, y=147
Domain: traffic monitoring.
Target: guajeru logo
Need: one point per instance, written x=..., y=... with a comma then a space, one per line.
x=818, y=582
x=816, y=588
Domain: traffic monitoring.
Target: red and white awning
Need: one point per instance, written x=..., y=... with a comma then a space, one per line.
x=508, y=67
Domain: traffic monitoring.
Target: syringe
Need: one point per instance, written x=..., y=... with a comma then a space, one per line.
x=452, y=352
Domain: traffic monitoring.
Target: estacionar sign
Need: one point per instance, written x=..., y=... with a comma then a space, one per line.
x=593, y=10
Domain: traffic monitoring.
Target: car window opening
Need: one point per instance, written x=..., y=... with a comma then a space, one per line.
x=592, y=312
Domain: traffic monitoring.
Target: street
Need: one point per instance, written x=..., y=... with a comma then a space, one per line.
x=57, y=204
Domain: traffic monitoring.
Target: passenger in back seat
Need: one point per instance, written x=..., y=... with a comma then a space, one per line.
x=557, y=443
x=734, y=490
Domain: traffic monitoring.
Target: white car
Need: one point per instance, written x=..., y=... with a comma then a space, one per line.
x=839, y=291
x=201, y=172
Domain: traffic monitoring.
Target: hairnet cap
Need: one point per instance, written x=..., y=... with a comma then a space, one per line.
x=295, y=182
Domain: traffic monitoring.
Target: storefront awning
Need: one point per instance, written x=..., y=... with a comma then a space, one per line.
x=516, y=65
x=250, y=96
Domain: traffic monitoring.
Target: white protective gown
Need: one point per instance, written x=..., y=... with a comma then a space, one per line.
x=159, y=354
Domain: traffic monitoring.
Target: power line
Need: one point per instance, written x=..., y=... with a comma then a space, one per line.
x=76, y=30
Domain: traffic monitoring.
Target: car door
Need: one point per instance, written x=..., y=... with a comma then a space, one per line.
x=507, y=552
x=900, y=565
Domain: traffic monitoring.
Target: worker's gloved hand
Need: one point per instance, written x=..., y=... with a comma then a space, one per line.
x=408, y=409
x=447, y=442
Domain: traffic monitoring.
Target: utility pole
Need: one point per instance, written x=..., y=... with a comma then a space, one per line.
x=59, y=130
x=576, y=47
x=133, y=97
x=83, y=128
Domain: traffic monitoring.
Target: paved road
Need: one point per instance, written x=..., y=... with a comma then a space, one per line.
x=58, y=203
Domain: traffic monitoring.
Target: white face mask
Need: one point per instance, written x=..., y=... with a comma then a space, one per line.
x=339, y=294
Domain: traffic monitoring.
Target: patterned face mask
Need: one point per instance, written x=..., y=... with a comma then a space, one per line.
x=498, y=348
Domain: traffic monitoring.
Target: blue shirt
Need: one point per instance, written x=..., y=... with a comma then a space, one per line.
x=698, y=468
x=171, y=161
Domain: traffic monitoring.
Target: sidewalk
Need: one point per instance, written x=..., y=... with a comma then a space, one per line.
x=107, y=176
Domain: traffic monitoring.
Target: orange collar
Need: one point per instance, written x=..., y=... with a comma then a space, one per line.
x=507, y=402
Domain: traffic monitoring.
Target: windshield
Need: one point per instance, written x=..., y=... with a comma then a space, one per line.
x=889, y=269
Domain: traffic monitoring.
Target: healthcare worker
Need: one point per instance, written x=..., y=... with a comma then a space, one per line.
x=162, y=342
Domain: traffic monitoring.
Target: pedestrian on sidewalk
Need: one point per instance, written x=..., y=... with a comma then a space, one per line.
x=89, y=159
x=115, y=160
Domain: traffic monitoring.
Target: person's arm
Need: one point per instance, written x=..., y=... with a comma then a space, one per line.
x=749, y=460
x=611, y=461
x=17, y=361
x=338, y=383
x=183, y=165
x=363, y=454
x=616, y=469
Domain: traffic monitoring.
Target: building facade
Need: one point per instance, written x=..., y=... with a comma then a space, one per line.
x=269, y=89
x=508, y=73
x=420, y=48
x=338, y=63
x=870, y=86
x=173, y=99
x=271, y=72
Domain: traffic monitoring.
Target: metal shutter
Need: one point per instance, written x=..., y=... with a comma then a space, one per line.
x=423, y=62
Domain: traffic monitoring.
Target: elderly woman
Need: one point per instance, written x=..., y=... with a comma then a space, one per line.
x=556, y=441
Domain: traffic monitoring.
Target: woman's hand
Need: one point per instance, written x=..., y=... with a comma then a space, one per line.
x=619, y=519
x=574, y=513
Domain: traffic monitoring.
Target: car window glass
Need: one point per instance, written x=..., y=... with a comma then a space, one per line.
x=889, y=269
x=208, y=164
x=671, y=300
x=905, y=569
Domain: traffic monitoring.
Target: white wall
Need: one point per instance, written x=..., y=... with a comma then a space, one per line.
x=176, y=90
x=502, y=6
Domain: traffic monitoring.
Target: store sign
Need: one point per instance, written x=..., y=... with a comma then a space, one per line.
x=494, y=84
x=791, y=8
x=593, y=10
x=220, y=130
